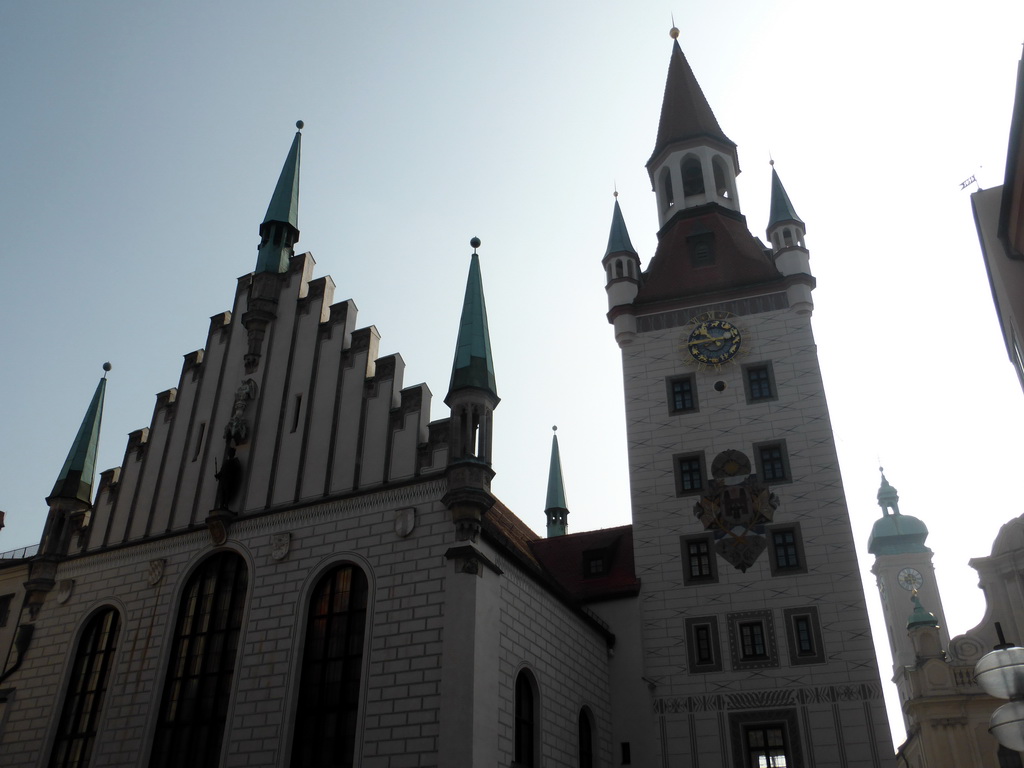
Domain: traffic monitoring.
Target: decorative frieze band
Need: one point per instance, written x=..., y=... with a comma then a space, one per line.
x=779, y=697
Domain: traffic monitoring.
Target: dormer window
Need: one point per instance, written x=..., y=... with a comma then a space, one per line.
x=596, y=563
x=693, y=177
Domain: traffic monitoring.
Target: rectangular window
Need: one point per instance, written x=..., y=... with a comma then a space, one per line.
x=786, y=553
x=773, y=462
x=199, y=440
x=682, y=394
x=766, y=747
x=595, y=563
x=752, y=645
x=702, y=644
x=698, y=559
x=803, y=633
x=759, y=382
x=752, y=640
x=5, y=609
x=689, y=472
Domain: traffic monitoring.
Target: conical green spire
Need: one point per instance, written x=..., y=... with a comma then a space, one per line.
x=618, y=237
x=284, y=205
x=556, y=509
x=556, y=486
x=782, y=208
x=280, y=228
x=473, y=366
x=75, y=479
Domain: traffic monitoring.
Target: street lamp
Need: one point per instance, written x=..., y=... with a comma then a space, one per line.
x=1000, y=673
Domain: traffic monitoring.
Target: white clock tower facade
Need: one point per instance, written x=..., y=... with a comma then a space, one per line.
x=754, y=629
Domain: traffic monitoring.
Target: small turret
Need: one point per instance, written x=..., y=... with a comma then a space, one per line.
x=786, y=234
x=472, y=397
x=895, y=533
x=556, y=510
x=694, y=163
x=622, y=271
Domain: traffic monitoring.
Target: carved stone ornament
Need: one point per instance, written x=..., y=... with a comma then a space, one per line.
x=405, y=521
x=237, y=428
x=736, y=514
x=64, y=590
x=281, y=544
x=156, y=571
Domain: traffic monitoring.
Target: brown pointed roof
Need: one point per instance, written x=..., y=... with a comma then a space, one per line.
x=739, y=258
x=685, y=112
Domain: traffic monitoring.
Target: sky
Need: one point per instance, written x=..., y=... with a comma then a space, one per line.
x=141, y=143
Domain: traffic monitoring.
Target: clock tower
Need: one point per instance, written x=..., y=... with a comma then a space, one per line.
x=755, y=639
x=903, y=568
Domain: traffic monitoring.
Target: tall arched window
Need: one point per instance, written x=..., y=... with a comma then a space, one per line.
x=90, y=674
x=332, y=661
x=194, y=706
x=526, y=723
x=586, y=740
x=693, y=176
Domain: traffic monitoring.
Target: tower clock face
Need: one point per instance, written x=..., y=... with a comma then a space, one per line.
x=910, y=579
x=712, y=341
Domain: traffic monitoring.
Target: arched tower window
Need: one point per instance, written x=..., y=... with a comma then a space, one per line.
x=332, y=664
x=204, y=651
x=693, y=176
x=586, y=739
x=90, y=673
x=525, y=755
x=787, y=236
x=668, y=198
x=722, y=186
x=619, y=272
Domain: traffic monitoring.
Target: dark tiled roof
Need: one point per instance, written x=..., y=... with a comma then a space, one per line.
x=562, y=557
x=739, y=257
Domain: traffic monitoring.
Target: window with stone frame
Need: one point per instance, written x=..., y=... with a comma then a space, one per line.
x=803, y=635
x=204, y=652
x=87, y=687
x=689, y=473
x=698, y=554
x=703, y=650
x=773, y=462
x=326, y=718
x=766, y=746
x=759, y=382
x=786, y=550
x=682, y=394
x=752, y=640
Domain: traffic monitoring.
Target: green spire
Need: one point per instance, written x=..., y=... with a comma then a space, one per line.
x=473, y=366
x=920, y=616
x=556, y=509
x=782, y=208
x=618, y=238
x=895, y=533
x=284, y=205
x=280, y=228
x=75, y=479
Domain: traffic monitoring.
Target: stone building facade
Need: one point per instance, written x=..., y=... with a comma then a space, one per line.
x=296, y=564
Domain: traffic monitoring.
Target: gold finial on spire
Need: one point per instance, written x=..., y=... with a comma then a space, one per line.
x=674, y=32
x=615, y=189
x=106, y=369
x=299, y=124
x=771, y=160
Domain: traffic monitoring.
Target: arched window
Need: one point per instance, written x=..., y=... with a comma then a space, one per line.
x=667, y=196
x=722, y=187
x=618, y=268
x=90, y=674
x=194, y=705
x=586, y=740
x=332, y=663
x=787, y=236
x=693, y=177
x=526, y=723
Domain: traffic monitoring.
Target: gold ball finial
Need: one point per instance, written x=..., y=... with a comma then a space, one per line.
x=615, y=193
x=674, y=33
x=299, y=124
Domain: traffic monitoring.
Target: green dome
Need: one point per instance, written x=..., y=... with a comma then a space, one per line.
x=921, y=617
x=897, y=534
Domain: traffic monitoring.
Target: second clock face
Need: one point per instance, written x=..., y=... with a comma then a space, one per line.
x=910, y=579
x=713, y=342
